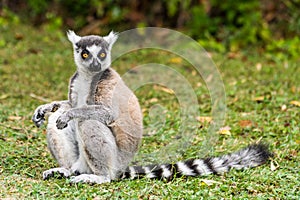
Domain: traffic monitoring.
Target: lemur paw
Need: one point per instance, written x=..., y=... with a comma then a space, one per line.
x=39, y=114
x=60, y=172
x=38, y=117
x=62, y=121
x=90, y=178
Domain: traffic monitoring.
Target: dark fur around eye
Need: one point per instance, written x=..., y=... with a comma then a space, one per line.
x=85, y=54
x=102, y=54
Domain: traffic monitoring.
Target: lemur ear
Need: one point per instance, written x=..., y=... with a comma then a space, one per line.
x=111, y=38
x=73, y=37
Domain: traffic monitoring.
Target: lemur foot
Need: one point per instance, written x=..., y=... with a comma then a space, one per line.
x=90, y=178
x=60, y=171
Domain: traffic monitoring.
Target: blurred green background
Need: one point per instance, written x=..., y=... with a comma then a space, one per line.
x=271, y=27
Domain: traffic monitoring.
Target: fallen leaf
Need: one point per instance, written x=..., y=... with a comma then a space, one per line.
x=286, y=64
x=204, y=119
x=258, y=66
x=33, y=50
x=234, y=100
x=19, y=36
x=153, y=100
x=294, y=153
x=233, y=83
x=225, y=130
x=167, y=90
x=259, y=99
x=293, y=89
x=233, y=55
x=176, y=60
x=14, y=118
x=144, y=110
x=34, y=131
x=209, y=78
x=199, y=84
x=257, y=130
x=164, y=89
x=283, y=107
x=39, y=98
x=210, y=182
x=274, y=165
x=246, y=114
x=246, y=123
x=11, y=127
x=4, y=96
x=295, y=103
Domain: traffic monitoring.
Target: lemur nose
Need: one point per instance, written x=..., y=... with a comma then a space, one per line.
x=95, y=62
x=95, y=65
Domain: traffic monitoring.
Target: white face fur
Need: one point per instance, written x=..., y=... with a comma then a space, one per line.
x=92, y=53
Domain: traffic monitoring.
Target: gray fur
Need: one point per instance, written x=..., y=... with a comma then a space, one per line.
x=92, y=40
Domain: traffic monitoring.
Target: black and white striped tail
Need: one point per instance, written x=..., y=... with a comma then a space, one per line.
x=251, y=156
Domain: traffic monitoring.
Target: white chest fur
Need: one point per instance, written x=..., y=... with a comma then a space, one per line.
x=82, y=86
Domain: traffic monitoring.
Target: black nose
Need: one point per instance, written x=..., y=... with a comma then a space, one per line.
x=95, y=65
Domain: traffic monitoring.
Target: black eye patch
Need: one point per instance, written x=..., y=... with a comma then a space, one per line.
x=102, y=54
x=85, y=54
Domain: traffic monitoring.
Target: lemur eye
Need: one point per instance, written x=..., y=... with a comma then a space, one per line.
x=102, y=55
x=85, y=54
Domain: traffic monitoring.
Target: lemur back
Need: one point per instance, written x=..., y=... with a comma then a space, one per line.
x=95, y=134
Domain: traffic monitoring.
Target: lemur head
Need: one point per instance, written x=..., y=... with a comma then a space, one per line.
x=92, y=53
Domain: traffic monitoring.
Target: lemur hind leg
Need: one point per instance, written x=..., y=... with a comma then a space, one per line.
x=62, y=145
x=100, y=152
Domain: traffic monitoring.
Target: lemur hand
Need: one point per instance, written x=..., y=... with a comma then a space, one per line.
x=39, y=114
x=38, y=117
x=62, y=121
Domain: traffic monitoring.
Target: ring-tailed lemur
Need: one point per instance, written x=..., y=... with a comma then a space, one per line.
x=96, y=132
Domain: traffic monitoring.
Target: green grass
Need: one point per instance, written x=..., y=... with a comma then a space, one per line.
x=35, y=67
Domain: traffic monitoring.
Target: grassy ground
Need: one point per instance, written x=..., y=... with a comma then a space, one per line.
x=262, y=99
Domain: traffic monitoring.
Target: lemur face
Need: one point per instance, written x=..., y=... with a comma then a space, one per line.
x=92, y=53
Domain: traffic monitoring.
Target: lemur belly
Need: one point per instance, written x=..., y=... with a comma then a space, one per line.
x=82, y=87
